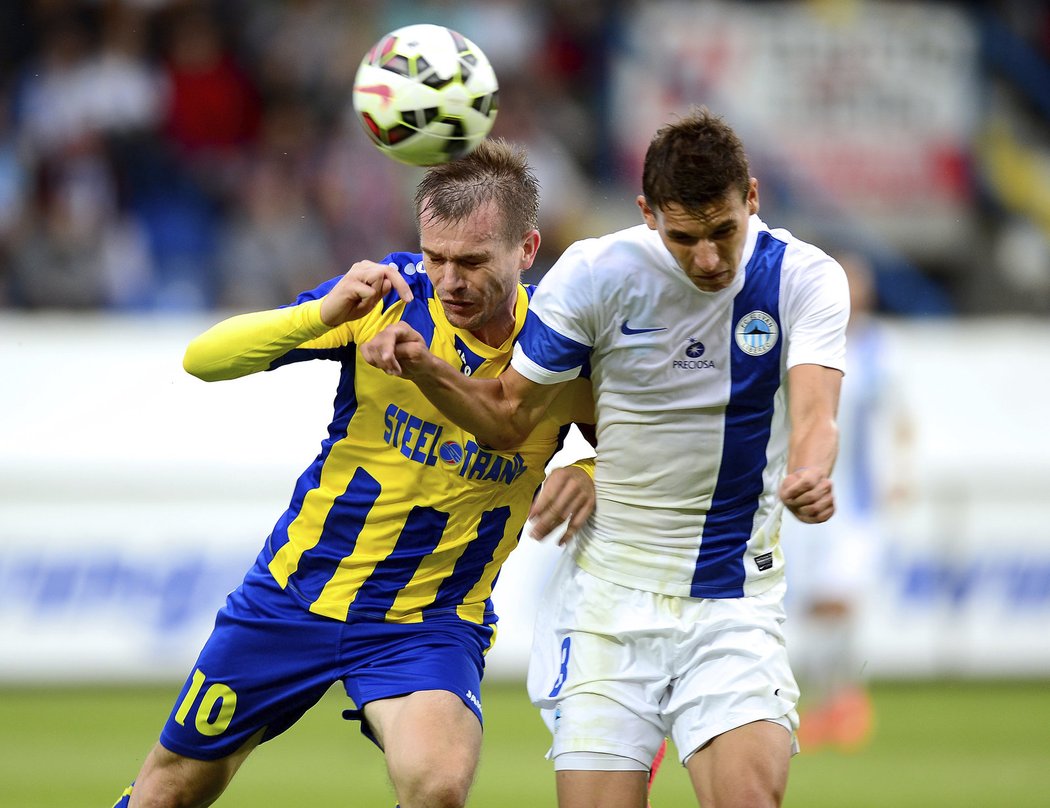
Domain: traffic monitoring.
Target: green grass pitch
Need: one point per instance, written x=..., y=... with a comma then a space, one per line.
x=943, y=743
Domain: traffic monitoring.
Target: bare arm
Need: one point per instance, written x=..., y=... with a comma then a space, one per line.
x=499, y=412
x=813, y=400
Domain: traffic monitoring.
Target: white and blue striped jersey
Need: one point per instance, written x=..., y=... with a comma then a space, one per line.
x=690, y=400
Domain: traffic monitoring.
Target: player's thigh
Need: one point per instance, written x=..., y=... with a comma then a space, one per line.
x=427, y=736
x=602, y=789
x=420, y=693
x=746, y=767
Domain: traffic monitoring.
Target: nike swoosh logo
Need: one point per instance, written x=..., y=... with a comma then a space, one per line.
x=626, y=329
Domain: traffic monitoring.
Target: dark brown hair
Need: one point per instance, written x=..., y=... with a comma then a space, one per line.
x=694, y=162
x=495, y=171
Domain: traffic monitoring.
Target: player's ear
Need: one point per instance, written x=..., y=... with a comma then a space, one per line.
x=752, y=197
x=647, y=212
x=530, y=247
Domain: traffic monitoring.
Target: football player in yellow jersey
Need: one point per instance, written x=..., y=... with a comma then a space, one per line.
x=379, y=573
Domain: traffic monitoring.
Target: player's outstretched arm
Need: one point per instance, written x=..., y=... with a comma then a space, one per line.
x=499, y=412
x=813, y=403
x=249, y=343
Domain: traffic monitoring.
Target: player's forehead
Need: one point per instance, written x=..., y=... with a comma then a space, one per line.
x=477, y=234
x=728, y=209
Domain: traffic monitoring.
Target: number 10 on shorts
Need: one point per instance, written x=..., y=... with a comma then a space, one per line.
x=217, y=694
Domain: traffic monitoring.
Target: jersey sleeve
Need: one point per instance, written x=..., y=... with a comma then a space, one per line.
x=817, y=311
x=265, y=340
x=556, y=340
x=249, y=343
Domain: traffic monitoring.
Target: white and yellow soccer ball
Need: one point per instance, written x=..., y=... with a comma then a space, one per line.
x=426, y=94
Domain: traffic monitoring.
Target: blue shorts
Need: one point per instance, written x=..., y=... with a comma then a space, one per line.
x=268, y=661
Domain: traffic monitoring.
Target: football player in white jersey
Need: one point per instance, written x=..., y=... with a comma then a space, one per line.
x=715, y=347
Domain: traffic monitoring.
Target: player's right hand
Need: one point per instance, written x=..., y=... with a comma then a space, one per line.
x=807, y=492
x=360, y=290
x=397, y=350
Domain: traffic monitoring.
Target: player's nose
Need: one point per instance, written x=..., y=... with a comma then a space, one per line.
x=705, y=257
x=451, y=279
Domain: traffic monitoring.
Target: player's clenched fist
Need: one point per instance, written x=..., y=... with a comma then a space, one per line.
x=359, y=290
x=807, y=493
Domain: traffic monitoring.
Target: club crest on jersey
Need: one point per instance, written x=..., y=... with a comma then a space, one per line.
x=756, y=333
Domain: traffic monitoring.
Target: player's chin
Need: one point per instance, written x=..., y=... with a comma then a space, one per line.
x=462, y=315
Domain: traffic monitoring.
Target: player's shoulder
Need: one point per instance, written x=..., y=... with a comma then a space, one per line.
x=613, y=254
x=803, y=259
x=638, y=238
x=410, y=267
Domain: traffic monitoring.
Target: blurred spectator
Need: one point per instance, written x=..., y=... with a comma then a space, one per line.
x=120, y=85
x=574, y=60
x=309, y=48
x=14, y=184
x=275, y=244
x=50, y=101
x=79, y=251
x=213, y=107
x=210, y=119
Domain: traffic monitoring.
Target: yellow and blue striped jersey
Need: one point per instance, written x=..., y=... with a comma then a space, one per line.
x=402, y=514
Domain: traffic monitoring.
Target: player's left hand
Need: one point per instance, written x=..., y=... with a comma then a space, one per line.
x=807, y=493
x=567, y=494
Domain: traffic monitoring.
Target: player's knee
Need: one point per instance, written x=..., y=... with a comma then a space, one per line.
x=435, y=787
x=751, y=797
x=168, y=780
x=159, y=793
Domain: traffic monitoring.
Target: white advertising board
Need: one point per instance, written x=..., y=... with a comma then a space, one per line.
x=134, y=497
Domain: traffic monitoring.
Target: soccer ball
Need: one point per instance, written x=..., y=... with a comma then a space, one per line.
x=425, y=95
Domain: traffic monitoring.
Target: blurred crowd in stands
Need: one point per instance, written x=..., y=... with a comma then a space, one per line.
x=185, y=155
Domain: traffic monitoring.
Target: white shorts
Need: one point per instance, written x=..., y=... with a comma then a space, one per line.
x=615, y=670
